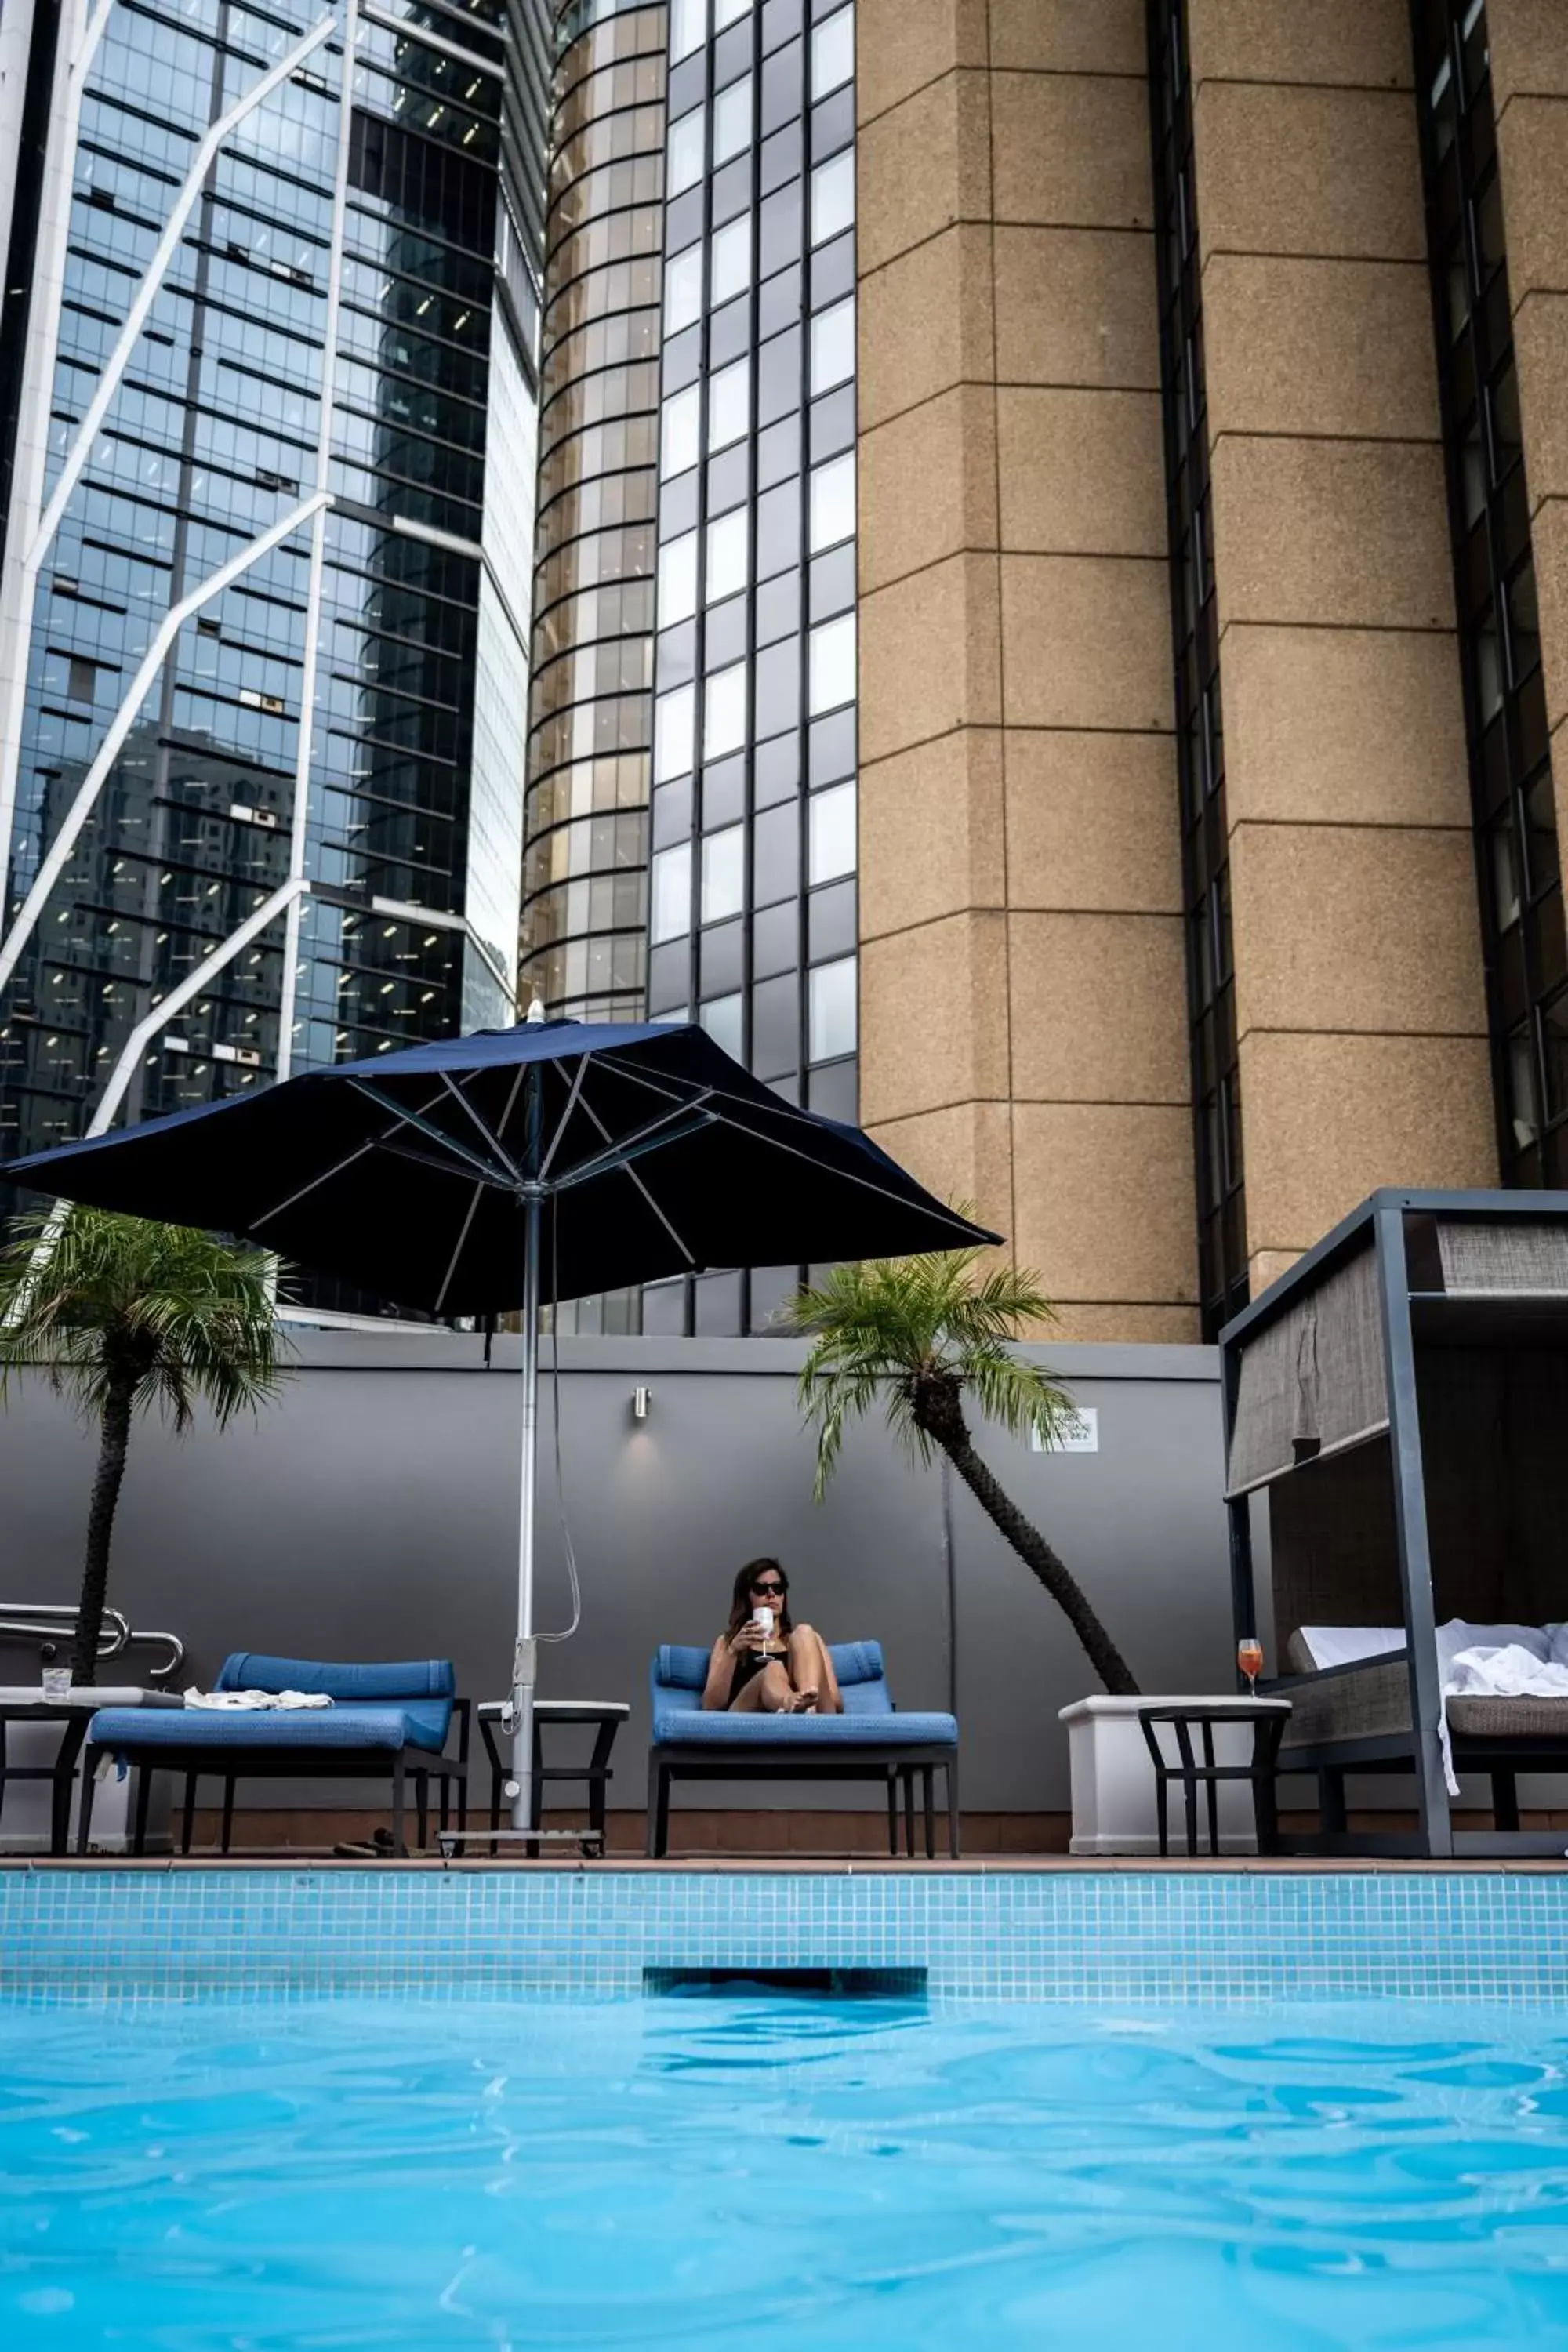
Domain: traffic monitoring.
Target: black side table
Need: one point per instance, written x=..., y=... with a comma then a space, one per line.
x=73, y=1714
x=1267, y=1718
x=607, y=1716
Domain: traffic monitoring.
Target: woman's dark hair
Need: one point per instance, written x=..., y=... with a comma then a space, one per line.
x=740, y=1608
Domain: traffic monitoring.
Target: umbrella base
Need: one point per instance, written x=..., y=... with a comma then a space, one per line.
x=451, y=1841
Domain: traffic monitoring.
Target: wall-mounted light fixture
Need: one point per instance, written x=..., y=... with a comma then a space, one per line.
x=641, y=1399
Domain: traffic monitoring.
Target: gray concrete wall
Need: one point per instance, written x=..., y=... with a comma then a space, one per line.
x=371, y=1513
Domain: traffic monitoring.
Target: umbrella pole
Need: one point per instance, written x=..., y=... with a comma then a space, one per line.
x=525, y=1663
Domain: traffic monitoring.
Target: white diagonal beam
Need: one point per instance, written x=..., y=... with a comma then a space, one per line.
x=120, y=726
x=147, y=293
x=163, y=1013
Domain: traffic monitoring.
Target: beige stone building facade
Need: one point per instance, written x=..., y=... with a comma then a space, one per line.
x=1051, y=601
x=1208, y=845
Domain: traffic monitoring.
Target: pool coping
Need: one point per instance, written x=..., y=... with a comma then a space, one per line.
x=812, y=1866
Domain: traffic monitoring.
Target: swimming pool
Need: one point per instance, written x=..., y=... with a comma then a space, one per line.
x=408, y=2175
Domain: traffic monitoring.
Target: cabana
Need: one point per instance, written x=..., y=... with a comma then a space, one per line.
x=1399, y=1398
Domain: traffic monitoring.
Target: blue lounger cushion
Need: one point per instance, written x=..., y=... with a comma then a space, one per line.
x=388, y=1728
x=868, y=1719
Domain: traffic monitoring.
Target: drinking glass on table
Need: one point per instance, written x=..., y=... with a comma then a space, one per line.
x=1249, y=1659
x=57, y=1681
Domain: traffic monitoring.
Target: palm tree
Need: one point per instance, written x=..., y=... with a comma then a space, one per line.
x=916, y=1332
x=120, y=1314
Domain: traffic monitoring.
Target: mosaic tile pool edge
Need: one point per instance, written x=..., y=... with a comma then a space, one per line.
x=1088, y=1938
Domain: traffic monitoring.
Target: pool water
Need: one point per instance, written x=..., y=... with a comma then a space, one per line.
x=406, y=2176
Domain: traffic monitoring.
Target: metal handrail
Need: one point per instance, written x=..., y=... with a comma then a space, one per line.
x=52, y=1623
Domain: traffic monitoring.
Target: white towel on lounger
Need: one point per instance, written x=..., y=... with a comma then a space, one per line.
x=248, y=1702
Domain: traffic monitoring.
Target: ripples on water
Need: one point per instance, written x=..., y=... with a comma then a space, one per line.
x=397, y=2178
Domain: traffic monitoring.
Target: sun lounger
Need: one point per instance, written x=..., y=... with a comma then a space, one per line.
x=870, y=1741
x=386, y=1723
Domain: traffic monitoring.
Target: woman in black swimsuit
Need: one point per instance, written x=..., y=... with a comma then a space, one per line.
x=795, y=1678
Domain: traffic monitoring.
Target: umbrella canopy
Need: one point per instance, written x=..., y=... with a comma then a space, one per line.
x=651, y=1152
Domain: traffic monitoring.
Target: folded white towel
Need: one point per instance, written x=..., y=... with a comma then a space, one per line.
x=246, y=1702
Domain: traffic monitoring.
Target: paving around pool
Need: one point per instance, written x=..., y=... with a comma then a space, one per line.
x=403, y=2107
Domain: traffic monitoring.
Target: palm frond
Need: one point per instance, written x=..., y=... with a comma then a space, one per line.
x=882, y=1326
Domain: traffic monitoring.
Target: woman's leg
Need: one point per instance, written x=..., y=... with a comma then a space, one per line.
x=769, y=1693
x=811, y=1670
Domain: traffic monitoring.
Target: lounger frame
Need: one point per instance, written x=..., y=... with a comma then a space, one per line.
x=891, y=1763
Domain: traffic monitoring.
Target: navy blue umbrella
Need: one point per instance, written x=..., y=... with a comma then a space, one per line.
x=513, y=1167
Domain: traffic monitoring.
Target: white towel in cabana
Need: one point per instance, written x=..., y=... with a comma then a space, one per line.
x=1517, y=1669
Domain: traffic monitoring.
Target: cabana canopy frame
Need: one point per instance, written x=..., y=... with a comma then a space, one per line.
x=1399, y=1396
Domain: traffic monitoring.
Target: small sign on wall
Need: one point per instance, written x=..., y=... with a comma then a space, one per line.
x=1079, y=1433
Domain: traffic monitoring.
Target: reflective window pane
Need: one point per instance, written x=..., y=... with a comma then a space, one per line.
x=685, y=168
x=724, y=712
x=682, y=290
x=833, y=502
x=724, y=874
x=831, y=817
x=833, y=197
x=722, y=1018
x=669, y=916
x=832, y=1010
x=726, y=555
x=674, y=727
x=677, y=448
x=833, y=346
x=678, y=579
x=732, y=266
x=729, y=12
x=688, y=26
x=728, y=403
x=732, y=119
x=832, y=52
x=832, y=664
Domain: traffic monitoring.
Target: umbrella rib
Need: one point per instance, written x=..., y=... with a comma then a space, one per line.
x=565, y=1119
x=486, y=1170
x=690, y=1119
x=452, y=1264
x=446, y=1278
x=327, y=1174
x=489, y=1136
x=642, y=1188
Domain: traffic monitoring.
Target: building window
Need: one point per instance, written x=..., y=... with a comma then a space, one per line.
x=670, y=907
x=833, y=502
x=687, y=27
x=724, y=712
x=674, y=729
x=832, y=52
x=726, y=555
x=832, y=679
x=683, y=290
x=1512, y=800
x=685, y=164
x=731, y=268
x=732, y=120
x=723, y=1017
x=729, y=405
x=833, y=197
x=833, y=1009
x=832, y=829
x=724, y=874
x=1211, y=984
x=833, y=346
x=678, y=449
x=678, y=579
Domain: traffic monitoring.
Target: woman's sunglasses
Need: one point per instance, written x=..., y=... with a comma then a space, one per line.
x=769, y=1592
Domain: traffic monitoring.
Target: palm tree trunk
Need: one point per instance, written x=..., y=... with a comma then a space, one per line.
x=946, y=1424
x=115, y=1436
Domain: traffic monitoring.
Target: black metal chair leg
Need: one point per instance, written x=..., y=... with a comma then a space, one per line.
x=227, y=1839
x=143, y=1791
x=907, y=1776
x=662, y=1846
x=1160, y=1814
x=650, y=1831
x=892, y=1811
x=1505, y=1800
x=954, y=1834
x=422, y=1809
x=399, y=1775
x=188, y=1819
x=84, y=1820
x=928, y=1784
x=1211, y=1789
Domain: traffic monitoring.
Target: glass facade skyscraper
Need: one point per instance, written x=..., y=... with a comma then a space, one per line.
x=263, y=650
x=692, y=819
